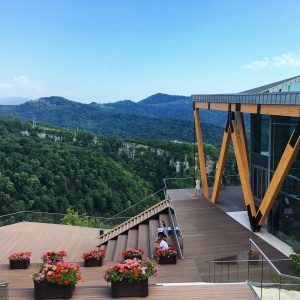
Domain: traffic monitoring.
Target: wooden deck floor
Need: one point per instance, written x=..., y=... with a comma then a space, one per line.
x=209, y=233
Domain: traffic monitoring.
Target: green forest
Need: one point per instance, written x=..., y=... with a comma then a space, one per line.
x=55, y=170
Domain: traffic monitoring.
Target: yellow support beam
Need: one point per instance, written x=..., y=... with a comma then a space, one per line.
x=243, y=139
x=202, y=164
x=264, y=109
x=279, y=176
x=221, y=164
x=243, y=168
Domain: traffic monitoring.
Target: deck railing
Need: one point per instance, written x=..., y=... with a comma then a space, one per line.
x=45, y=217
x=133, y=210
x=189, y=182
x=254, y=267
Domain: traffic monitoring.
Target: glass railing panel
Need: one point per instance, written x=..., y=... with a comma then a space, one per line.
x=254, y=267
x=4, y=290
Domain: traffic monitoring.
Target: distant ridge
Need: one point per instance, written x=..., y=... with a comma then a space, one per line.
x=159, y=117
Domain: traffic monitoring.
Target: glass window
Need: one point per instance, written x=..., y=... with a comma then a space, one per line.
x=260, y=134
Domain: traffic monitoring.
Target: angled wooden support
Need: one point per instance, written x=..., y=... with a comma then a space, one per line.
x=279, y=176
x=202, y=165
x=243, y=171
x=221, y=163
x=242, y=133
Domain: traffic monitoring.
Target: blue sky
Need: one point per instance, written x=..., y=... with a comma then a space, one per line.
x=110, y=50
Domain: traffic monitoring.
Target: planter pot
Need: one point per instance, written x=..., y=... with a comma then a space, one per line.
x=93, y=262
x=164, y=260
x=138, y=257
x=19, y=264
x=125, y=289
x=253, y=259
x=48, y=290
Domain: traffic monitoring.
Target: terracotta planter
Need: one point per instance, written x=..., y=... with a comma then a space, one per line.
x=48, y=290
x=19, y=264
x=125, y=289
x=93, y=262
x=164, y=260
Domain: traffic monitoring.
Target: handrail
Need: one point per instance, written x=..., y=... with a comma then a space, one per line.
x=256, y=268
x=44, y=217
x=270, y=262
x=176, y=236
x=128, y=208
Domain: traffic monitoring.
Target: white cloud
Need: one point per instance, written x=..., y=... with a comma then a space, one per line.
x=24, y=80
x=284, y=60
x=5, y=85
x=22, y=85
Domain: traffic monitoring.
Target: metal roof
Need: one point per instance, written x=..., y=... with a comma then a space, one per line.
x=267, y=94
x=274, y=87
x=291, y=98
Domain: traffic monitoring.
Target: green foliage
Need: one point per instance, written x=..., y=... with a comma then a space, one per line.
x=55, y=170
x=295, y=257
x=72, y=218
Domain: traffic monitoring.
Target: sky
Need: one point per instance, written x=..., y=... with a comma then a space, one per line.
x=109, y=50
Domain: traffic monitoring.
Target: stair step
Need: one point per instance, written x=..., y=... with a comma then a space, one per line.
x=110, y=250
x=132, y=239
x=120, y=247
x=143, y=240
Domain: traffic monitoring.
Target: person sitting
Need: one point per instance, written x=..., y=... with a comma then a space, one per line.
x=165, y=228
x=161, y=231
x=160, y=243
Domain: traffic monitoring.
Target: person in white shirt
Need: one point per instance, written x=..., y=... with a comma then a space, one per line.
x=163, y=244
x=160, y=243
x=197, y=187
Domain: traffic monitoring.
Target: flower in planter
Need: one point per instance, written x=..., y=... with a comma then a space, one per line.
x=94, y=254
x=132, y=253
x=53, y=256
x=254, y=253
x=131, y=269
x=170, y=251
x=20, y=256
x=62, y=273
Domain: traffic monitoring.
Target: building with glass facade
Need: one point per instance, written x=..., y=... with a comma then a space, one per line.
x=267, y=157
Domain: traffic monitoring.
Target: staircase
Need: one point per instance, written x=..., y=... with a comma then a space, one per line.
x=137, y=232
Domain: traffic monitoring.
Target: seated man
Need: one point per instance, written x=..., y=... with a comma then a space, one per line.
x=160, y=243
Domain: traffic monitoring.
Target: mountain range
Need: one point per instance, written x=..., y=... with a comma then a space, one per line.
x=159, y=116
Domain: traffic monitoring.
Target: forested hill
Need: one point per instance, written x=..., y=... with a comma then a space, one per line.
x=78, y=171
x=152, y=120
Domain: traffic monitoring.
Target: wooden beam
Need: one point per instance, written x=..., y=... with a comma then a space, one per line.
x=264, y=109
x=243, y=168
x=279, y=176
x=202, y=165
x=221, y=163
x=243, y=138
